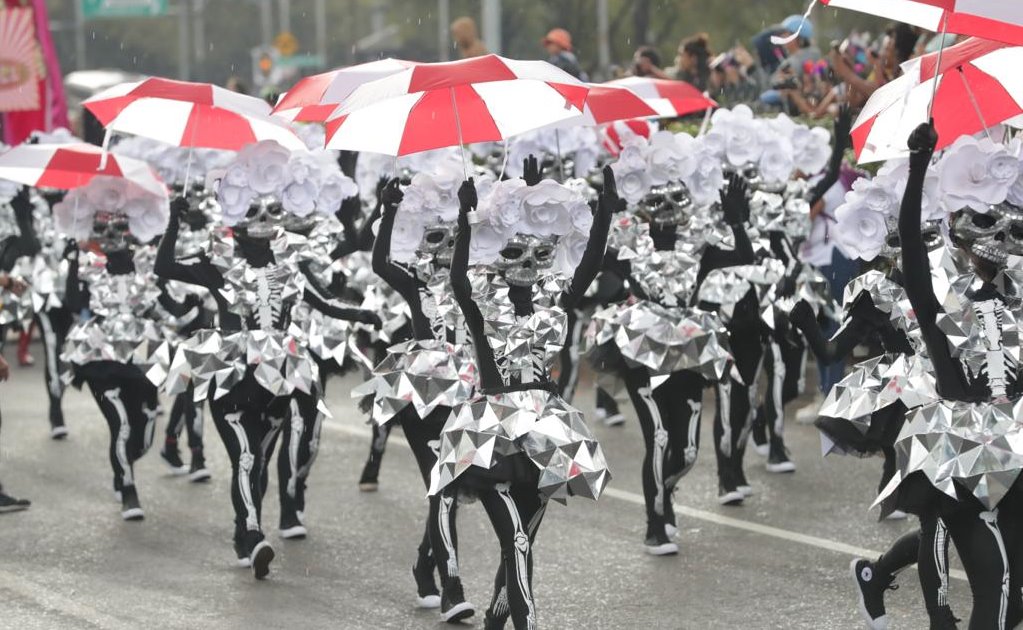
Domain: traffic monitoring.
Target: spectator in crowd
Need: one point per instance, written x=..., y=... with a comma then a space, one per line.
x=898, y=45
x=692, y=63
x=466, y=38
x=800, y=56
x=558, y=44
x=647, y=63
x=730, y=83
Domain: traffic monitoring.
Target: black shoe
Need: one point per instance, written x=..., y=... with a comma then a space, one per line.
x=728, y=488
x=657, y=542
x=11, y=504
x=670, y=526
x=758, y=433
x=453, y=607
x=427, y=595
x=259, y=552
x=241, y=553
x=197, y=472
x=131, y=509
x=778, y=458
x=871, y=588
x=291, y=526
x=368, y=482
x=58, y=430
x=169, y=453
x=943, y=619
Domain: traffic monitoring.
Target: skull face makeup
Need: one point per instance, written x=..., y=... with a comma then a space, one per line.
x=110, y=230
x=525, y=258
x=670, y=204
x=438, y=243
x=992, y=236
x=892, y=248
x=264, y=218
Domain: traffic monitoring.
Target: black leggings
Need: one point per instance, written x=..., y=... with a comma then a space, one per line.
x=130, y=405
x=669, y=417
x=186, y=413
x=300, y=443
x=249, y=419
x=568, y=379
x=515, y=511
x=440, y=536
x=54, y=325
x=606, y=401
x=784, y=368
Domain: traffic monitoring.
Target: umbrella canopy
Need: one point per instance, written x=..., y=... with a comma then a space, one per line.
x=1000, y=20
x=670, y=99
x=68, y=166
x=315, y=98
x=185, y=114
x=437, y=105
x=976, y=86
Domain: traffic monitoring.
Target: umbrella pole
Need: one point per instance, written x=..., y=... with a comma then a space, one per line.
x=504, y=160
x=106, y=149
x=706, y=121
x=458, y=127
x=973, y=101
x=557, y=145
x=937, y=68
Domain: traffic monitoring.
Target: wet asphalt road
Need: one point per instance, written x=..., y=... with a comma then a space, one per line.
x=779, y=561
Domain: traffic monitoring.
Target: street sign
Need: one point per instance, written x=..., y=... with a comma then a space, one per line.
x=123, y=8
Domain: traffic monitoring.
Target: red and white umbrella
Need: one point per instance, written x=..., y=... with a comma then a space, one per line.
x=670, y=99
x=976, y=86
x=1000, y=20
x=185, y=114
x=315, y=98
x=437, y=105
x=67, y=166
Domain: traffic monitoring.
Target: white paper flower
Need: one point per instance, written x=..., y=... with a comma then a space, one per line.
x=777, y=160
x=73, y=215
x=406, y=236
x=860, y=230
x=705, y=182
x=486, y=244
x=303, y=167
x=569, y=252
x=335, y=188
x=664, y=158
x=267, y=166
x=878, y=195
x=545, y=209
x=968, y=174
x=148, y=225
x=502, y=208
x=299, y=198
x=812, y=149
x=107, y=194
x=234, y=202
x=631, y=173
x=8, y=189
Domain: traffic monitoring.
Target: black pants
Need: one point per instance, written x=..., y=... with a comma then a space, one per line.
x=669, y=417
x=130, y=404
x=606, y=402
x=54, y=325
x=188, y=414
x=300, y=443
x=440, y=536
x=733, y=414
x=249, y=420
x=515, y=511
x=784, y=368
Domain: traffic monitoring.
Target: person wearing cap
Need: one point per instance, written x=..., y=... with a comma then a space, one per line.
x=558, y=43
x=799, y=49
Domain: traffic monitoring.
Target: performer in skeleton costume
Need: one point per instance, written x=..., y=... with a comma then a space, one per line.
x=121, y=350
x=666, y=350
x=517, y=444
x=971, y=338
x=255, y=369
x=420, y=381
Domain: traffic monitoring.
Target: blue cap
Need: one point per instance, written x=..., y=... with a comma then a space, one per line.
x=796, y=24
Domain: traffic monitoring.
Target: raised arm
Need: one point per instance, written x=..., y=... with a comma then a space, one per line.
x=200, y=272
x=843, y=124
x=490, y=377
x=593, y=257
x=735, y=208
x=916, y=269
x=318, y=296
x=74, y=297
x=172, y=306
x=27, y=243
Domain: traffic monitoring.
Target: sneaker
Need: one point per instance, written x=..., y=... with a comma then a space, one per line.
x=758, y=435
x=453, y=607
x=871, y=588
x=243, y=561
x=657, y=543
x=614, y=420
x=260, y=558
x=729, y=496
x=131, y=509
x=494, y=621
x=11, y=504
x=197, y=472
x=670, y=526
x=427, y=595
x=26, y=360
x=291, y=527
x=58, y=433
x=808, y=412
x=778, y=460
x=58, y=430
x=368, y=482
x=896, y=515
x=741, y=484
x=169, y=454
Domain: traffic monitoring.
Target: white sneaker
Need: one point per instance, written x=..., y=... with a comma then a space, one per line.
x=786, y=466
x=614, y=420
x=430, y=602
x=291, y=533
x=260, y=558
x=58, y=433
x=746, y=491
x=664, y=549
x=670, y=530
x=808, y=412
x=896, y=515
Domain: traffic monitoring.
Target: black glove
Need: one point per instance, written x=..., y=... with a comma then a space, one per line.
x=178, y=207
x=391, y=194
x=531, y=171
x=802, y=314
x=921, y=144
x=735, y=200
x=381, y=184
x=843, y=124
x=370, y=318
x=70, y=249
x=609, y=198
x=467, y=198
